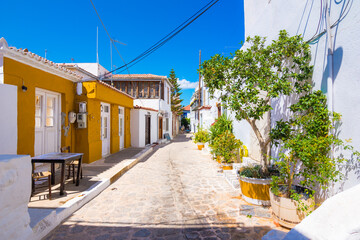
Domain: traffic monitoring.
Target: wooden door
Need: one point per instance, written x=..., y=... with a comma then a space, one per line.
x=160, y=127
x=147, y=129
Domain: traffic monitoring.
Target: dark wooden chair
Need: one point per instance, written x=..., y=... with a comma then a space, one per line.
x=71, y=165
x=41, y=175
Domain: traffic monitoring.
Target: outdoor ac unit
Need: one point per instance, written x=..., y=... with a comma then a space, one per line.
x=166, y=114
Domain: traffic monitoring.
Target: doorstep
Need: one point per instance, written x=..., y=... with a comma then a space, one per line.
x=43, y=219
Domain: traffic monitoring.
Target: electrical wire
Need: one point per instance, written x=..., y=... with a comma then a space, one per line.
x=109, y=35
x=169, y=36
x=341, y=17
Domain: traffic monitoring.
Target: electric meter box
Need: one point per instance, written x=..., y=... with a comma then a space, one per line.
x=81, y=120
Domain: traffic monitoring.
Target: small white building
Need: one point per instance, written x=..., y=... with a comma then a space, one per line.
x=151, y=115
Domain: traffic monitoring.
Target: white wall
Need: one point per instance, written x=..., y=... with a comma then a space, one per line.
x=134, y=127
x=8, y=119
x=15, y=189
x=266, y=18
x=137, y=127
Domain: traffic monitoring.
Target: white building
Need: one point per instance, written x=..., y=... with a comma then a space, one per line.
x=151, y=116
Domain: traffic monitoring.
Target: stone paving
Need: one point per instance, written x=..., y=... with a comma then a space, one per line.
x=175, y=193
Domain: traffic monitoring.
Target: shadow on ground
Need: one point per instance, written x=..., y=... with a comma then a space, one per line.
x=86, y=230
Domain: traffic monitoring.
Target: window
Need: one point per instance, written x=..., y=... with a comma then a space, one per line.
x=152, y=90
x=157, y=88
x=38, y=112
x=167, y=124
x=146, y=90
x=123, y=86
x=50, y=109
x=162, y=91
x=168, y=95
x=134, y=89
x=141, y=89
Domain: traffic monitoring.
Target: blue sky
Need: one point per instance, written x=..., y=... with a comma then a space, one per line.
x=67, y=29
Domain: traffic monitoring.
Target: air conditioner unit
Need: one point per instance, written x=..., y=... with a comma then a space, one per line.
x=166, y=114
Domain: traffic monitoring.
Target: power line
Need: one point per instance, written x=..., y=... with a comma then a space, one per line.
x=169, y=36
x=109, y=36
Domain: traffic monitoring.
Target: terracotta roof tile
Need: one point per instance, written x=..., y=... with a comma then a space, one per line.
x=187, y=108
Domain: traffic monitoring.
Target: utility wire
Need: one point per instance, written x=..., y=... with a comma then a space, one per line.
x=341, y=17
x=169, y=36
x=109, y=36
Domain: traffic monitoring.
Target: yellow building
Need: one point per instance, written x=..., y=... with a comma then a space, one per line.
x=47, y=96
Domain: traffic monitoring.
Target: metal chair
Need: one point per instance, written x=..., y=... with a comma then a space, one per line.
x=71, y=165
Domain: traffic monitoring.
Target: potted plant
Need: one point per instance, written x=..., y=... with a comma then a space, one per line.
x=255, y=184
x=306, y=163
x=221, y=124
x=226, y=146
x=201, y=137
x=254, y=75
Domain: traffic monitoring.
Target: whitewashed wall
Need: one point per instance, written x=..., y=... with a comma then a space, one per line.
x=15, y=189
x=137, y=127
x=8, y=119
x=267, y=18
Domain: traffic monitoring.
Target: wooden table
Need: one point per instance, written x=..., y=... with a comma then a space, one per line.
x=61, y=158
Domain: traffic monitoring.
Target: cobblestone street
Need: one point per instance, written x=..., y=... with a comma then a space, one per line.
x=175, y=193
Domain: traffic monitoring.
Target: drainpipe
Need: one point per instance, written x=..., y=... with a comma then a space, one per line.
x=330, y=80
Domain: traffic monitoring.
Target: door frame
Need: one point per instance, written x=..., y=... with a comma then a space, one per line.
x=58, y=111
x=108, y=129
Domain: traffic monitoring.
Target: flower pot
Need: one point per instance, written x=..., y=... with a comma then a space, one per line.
x=227, y=166
x=255, y=190
x=200, y=145
x=285, y=212
x=218, y=159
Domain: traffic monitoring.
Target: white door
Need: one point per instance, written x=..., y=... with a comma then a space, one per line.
x=105, y=128
x=47, y=118
x=121, y=127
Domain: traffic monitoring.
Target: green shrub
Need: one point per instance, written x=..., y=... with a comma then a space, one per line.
x=201, y=136
x=226, y=145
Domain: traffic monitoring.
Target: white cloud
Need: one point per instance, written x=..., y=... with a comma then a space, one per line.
x=185, y=84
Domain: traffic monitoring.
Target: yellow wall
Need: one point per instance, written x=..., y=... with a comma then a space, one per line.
x=94, y=93
x=88, y=140
x=114, y=134
x=16, y=73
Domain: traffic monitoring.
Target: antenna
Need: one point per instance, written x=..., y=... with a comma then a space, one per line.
x=97, y=45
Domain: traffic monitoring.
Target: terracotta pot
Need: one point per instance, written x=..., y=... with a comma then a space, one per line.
x=285, y=212
x=227, y=166
x=255, y=190
x=218, y=159
x=200, y=145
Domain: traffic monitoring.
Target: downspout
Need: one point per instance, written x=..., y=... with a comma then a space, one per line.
x=330, y=80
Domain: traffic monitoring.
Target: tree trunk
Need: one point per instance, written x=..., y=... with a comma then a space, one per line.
x=263, y=146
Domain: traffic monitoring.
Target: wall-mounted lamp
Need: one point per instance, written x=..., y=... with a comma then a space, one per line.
x=24, y=88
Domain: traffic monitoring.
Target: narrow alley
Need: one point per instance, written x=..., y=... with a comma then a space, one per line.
x=175, y=193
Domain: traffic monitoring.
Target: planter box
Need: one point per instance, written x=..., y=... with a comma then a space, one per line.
x=285, y=212
x=255, y=190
